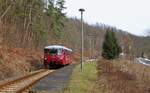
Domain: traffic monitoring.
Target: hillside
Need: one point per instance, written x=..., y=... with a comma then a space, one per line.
x=94, y=35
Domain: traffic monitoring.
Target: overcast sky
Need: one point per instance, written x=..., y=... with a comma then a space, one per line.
x=129, y=15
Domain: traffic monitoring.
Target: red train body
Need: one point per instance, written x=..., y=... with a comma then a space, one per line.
x=57, y=55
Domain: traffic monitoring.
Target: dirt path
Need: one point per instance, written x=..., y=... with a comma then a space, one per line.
x=55, y=81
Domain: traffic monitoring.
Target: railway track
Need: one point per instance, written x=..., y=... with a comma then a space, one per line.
x=22, y=85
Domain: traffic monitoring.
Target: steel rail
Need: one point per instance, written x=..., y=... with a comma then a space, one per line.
x=23, y=83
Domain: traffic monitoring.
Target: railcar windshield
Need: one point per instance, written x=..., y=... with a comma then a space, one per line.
x=53, y=51
x=46, y=51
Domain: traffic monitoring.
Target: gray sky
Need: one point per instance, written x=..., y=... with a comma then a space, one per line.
x=129, y=15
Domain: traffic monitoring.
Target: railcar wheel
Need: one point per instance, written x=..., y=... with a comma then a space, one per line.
x=45, y=66
x=50, y=66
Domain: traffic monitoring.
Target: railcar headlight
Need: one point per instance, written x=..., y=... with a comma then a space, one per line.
x=45, y=58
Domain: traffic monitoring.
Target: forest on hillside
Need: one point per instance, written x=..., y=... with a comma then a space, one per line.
x=33, y=24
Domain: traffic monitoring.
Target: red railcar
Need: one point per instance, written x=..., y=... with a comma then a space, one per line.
x=57, y=55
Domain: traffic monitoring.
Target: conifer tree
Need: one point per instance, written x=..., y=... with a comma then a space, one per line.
x=111, y=49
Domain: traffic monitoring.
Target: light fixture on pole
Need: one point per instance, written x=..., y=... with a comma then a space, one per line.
x=82, y=41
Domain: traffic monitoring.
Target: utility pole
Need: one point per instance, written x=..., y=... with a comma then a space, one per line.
x=90, y=43
x=82, y=42
x=92, y=38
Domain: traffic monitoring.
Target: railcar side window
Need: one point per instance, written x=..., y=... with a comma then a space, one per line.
x=59, y=51
x=67, y=52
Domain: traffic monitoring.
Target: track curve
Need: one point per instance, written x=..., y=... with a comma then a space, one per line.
x=21, y=84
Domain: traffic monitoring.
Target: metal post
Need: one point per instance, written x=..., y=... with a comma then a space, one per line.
x=92, y=46
x=90, y=41
x=82, y=41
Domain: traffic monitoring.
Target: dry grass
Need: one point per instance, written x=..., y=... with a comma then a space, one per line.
x=16, y=62
x=123, y=76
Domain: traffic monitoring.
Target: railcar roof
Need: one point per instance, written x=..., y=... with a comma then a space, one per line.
x=57, y=47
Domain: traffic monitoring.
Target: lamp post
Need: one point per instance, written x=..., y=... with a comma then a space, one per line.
x=82, y=41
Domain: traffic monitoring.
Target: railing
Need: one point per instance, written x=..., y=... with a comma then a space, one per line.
x=143, y=61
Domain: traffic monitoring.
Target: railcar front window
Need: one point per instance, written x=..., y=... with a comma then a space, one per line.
x=53, y=51
x=46, y=51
